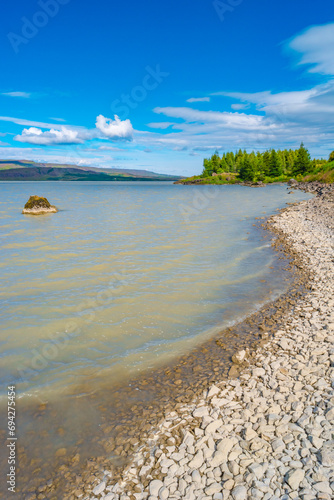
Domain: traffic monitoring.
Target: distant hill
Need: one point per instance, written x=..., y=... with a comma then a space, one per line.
x=25, y=170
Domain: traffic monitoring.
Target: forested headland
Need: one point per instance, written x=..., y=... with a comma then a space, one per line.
x=266, y=167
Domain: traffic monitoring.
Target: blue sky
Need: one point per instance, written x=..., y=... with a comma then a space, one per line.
x=161, y=86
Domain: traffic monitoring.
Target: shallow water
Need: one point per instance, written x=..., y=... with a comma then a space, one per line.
x=125, y=277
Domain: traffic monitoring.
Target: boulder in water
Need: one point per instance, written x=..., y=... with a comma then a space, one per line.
x=36, y=205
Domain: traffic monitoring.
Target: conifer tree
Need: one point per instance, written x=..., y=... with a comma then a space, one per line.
x=266, y=162
x=215, y=161
x=224, y=166
x=275, y=167
x=246, y=171
x=302, y=162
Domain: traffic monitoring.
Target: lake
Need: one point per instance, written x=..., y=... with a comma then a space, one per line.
x=125, y=278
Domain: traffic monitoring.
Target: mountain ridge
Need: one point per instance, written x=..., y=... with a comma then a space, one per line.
x=26, y=170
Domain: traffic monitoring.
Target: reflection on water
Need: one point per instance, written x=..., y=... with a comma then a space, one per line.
x=124, y=277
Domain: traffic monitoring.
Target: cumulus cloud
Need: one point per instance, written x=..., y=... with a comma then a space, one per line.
x=316, y=46
x=34, y=135
x=114, y=129
x=199, y=99
x=26, y=95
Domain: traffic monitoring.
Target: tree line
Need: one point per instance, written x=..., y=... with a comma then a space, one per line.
x=265, y=166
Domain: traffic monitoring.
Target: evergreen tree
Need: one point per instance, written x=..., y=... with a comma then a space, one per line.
x=275, y=169
x=303, y=161
x=215, y=161
x=207, y=171
x=230, y=161
x=331, y=157
x=238, y=155
x=290, y=161
x=224, y=166
x=281, y=156
x=266, y=162
x=257, y=166
x=246, y=171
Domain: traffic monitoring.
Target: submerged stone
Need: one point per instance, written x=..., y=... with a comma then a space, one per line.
x=37, y=205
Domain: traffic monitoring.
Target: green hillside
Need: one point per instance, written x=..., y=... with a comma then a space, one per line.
x=24, y=170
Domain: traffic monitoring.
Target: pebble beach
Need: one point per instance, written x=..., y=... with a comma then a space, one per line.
x=266, y=431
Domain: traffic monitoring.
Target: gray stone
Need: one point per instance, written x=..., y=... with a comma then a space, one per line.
x=196, y=477
x=155, y=486
x=294, y=477
x=213, y=391
x=322, y=487
x=200, y=412
x=277, y=445
x=213, y=488
x=327, y=454
x=257, y=470
x=163, y=493
x=197, y=461
x=239, y=493
x=99, y=488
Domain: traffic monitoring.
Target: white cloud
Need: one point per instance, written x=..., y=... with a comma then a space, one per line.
x=35, y=135
x=60, y=134
x=161, y=125
x=226, y=118
x=199, y=99
x=29, y=123
x=26, y=95
x=57, y=119
x=280, y=119
x=316, y=46
x=114, y=129
x=312, y=104
x=109, y=148
x=103, y=148
x=238, y=106
x=275, y=119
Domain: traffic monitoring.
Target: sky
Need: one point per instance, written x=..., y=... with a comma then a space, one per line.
x=161, y=86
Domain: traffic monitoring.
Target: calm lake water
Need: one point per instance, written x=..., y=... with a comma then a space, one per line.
x=125, y=277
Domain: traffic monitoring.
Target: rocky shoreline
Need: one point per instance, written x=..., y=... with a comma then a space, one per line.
x=267, y=434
